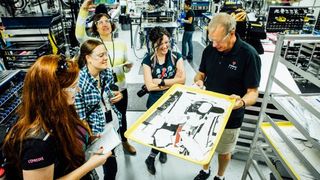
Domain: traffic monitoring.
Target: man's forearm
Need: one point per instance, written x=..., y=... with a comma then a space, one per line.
x=251, y=97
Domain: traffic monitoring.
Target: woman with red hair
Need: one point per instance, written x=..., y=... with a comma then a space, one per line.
x=49, y=140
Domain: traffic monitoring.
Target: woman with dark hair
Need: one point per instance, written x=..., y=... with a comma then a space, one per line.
x=161, y=70
x=94, y=102
x=48, y=141
x=102, y=30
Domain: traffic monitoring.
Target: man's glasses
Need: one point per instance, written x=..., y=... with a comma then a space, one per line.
x=100, y=22
x=62, y=64
x=215, y=43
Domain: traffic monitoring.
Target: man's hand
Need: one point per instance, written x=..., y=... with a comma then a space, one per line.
x=239, y=103
x=199, y=80
x=199, y=83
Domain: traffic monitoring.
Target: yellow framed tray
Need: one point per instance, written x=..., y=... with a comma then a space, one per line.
x=185, y=122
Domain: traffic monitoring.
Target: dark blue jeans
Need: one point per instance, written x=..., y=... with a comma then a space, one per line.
x=110, y=168
x=187, y=39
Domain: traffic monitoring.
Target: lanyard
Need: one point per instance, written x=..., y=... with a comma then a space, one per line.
x=111, y=61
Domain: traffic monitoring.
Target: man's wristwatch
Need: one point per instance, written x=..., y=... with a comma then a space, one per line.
x=161, y=83
x=243, y=103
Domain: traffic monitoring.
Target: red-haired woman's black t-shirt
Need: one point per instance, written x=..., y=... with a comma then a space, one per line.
x=38, y=152
x=42, y=151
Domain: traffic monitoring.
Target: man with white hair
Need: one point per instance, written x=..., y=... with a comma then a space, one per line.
x=232, y=67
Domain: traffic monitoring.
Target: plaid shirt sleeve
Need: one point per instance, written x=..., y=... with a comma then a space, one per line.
x=80, y=106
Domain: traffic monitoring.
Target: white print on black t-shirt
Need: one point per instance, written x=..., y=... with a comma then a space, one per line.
x=165, y=72
x=233, y=65
x=30, y=161
x=170, y=71
x=158, y=71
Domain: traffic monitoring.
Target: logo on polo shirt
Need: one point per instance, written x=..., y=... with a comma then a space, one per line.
x=30, y=161
x=233, y=65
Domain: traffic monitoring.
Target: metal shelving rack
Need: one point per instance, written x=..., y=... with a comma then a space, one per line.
x=257, y=146
x=11, y=85
x=304, y=55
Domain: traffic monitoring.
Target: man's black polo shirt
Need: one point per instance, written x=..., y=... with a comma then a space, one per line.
x=231, y=73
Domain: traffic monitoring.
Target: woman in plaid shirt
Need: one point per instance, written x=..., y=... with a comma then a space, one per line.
x=96, y=81
x=102, y=29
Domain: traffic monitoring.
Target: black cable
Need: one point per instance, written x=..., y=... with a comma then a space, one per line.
x=257, y=6
x=65, y=4
x=50, y=4
x=41, y=7
x=9, y=6
x=24, y=7
x=23, y=4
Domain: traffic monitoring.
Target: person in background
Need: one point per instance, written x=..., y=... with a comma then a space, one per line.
x=45, y=143
x=96, y=97
x=161, y=70
x=228, y=66
x=102, y=29
x=188, y=31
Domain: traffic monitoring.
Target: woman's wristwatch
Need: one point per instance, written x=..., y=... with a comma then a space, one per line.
x=162, y=83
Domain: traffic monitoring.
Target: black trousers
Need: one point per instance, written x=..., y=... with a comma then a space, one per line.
x=154, y=151
x=110, y=168
x=122, y=108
